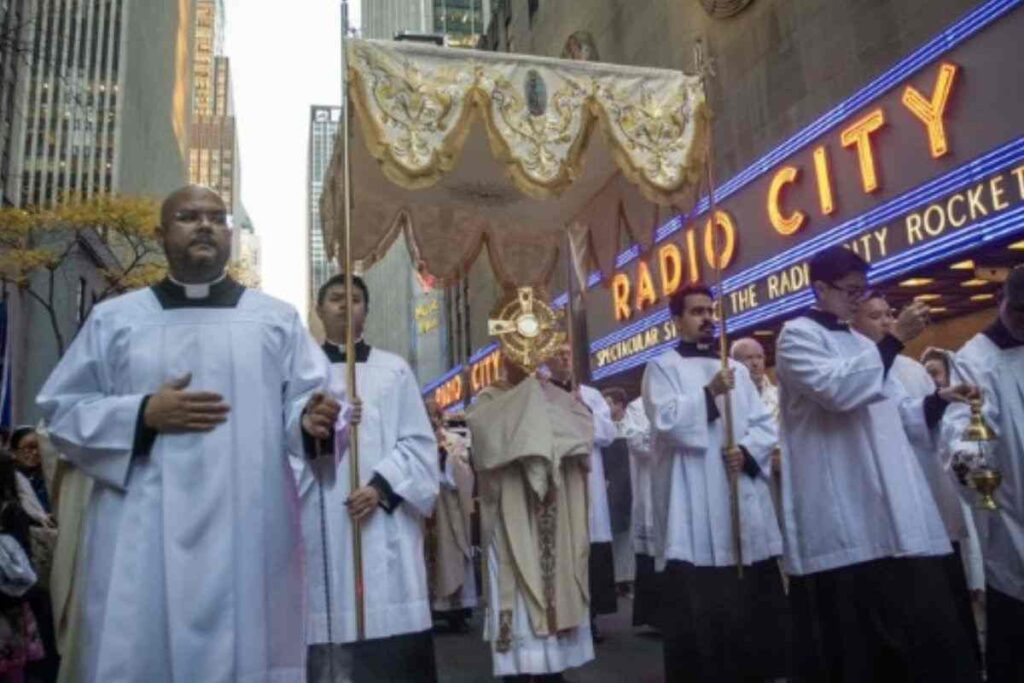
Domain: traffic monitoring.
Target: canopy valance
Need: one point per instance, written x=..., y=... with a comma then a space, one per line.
x=462, y=149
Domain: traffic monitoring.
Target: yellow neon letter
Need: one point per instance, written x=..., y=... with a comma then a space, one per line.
x=931, y=112
x=824, y=177
x=784, y=225
x=645, y=295
x=859, y=133
x=670, y=263
x=723, y=258
x=620, y=296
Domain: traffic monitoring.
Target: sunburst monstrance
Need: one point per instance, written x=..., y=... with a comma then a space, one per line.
x=527, y=328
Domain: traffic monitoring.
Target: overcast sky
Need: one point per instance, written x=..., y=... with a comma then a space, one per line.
x=284, y=58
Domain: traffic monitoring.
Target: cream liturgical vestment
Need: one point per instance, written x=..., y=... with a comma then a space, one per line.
x=192, y=548
x=531, y=444
x=397, y=454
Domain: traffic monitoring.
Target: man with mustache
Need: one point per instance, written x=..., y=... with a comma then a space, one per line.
x=717, y=626
x=182, y=401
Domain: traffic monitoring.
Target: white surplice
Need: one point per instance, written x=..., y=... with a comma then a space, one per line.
x=852, y=487
x=636, y=430
x=934, y=458
x=692, y=517
x=397, y=442
x=999, y=372
x=918, y=384
x=193, y=560
x=604, y=434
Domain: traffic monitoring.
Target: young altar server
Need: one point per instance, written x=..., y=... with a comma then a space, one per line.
x=181, y=401
x=865, y=543
x=531, y=446
x=399, y=474
x=994, y=359
x=603, y=595
x=717, y=626
x=874, y=320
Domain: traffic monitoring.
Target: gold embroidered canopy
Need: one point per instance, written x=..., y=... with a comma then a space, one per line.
x=463, y=149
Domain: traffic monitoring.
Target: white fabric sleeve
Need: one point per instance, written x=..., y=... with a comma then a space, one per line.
x=761, y=436
x=29, y=500
x=412, y=469
x=970, y=550
x=89, y=422
x=838, y=385
x=679, y=417
x=605, y=431
x=307, y=373
x=637, y=431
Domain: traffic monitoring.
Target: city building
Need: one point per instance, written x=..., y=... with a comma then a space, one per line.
x=105, y=100
x=323, y=128
x=15, y=50
x=385, y=19
x=461, y=22
x=247, y=253
x=213, y=156
x=886, y=128
x=102, y=105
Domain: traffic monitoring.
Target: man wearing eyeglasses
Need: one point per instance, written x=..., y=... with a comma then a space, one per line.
x=182, y=401
x=865, y=543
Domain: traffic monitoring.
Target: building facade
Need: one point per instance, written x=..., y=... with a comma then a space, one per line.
x=323, y=128
x=103, y=106
x=871, y=125
x=213, y=156
x=90, y=99
x=384, y=19
x=461, y=22
x=15, y=53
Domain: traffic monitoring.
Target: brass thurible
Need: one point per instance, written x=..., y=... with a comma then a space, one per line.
x=984, y=478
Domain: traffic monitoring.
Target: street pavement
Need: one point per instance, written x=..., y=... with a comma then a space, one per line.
x=627, y=654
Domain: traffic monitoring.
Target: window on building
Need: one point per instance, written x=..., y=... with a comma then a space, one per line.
x=532, y=6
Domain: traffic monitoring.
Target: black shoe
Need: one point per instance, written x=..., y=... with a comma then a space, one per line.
x=595, y=633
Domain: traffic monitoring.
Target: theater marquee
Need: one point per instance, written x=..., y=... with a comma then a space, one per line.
x=921, y=164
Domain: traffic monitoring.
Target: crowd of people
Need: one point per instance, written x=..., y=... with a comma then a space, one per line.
x=811, y=523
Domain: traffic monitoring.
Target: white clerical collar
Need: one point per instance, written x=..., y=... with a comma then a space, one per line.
x=341, y=346
x=197, y=290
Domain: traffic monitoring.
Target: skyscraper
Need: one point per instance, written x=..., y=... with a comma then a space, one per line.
x=14, y=44
x=323, y=126
x=104, y=95
x=383, y=19
x=213, y=156
x=101, y=106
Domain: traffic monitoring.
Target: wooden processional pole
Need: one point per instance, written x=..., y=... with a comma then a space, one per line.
x=704, y=67
x=350, y=347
